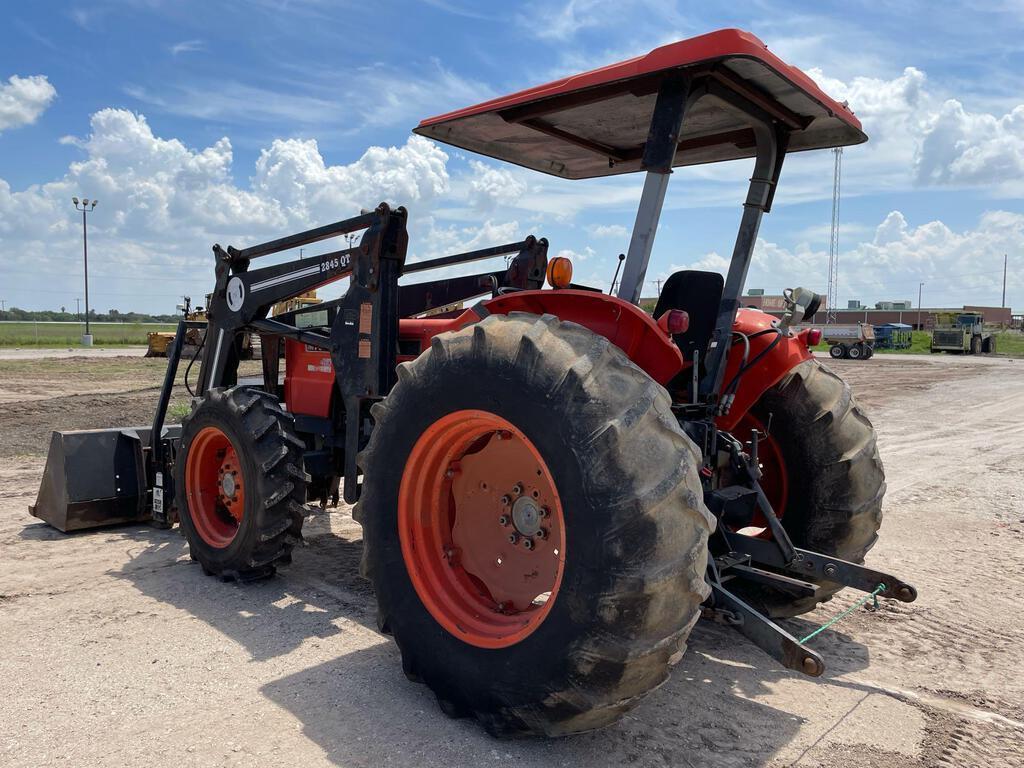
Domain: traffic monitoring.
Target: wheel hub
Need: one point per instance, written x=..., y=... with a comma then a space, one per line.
x=227, y=484
x=527, y=516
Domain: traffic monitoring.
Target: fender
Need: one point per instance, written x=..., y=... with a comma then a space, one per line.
x=788, y=353
x=625, y=325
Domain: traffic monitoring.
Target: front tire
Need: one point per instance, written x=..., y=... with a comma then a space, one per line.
x=241, y=483
x=627, y=522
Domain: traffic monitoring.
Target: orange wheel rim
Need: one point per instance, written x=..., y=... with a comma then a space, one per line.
x=774, y=479
x=481, y=528
x=214, y=487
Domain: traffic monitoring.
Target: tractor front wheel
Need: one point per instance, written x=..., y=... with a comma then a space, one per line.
x=240, y=483
x=534, y=526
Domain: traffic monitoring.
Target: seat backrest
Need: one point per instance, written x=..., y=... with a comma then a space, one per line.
x=699, y=294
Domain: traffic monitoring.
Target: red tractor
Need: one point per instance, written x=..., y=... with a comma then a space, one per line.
x=553, y=485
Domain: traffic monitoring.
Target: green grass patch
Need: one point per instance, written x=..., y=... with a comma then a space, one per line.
x=1010, y=343
x=62, y=335
x=178, y=411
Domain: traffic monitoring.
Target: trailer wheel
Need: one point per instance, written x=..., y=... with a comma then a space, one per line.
x=534, y=526
x=837, y=351
x=241, y=483
x=831, y=471
x=855, y=352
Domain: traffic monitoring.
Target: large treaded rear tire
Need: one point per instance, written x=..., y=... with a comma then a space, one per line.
x=636, y=525
x=835, y=476
x=270, y=453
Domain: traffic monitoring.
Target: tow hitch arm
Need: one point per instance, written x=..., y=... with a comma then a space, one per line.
x=777, y=563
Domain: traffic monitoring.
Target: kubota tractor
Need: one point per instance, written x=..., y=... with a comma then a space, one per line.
x=553, y=485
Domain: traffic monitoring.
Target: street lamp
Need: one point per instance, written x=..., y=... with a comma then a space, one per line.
x=86, y=206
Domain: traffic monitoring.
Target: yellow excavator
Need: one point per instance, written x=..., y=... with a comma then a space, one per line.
x=158, y=342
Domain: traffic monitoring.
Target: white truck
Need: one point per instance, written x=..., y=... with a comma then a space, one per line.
x=855, y=341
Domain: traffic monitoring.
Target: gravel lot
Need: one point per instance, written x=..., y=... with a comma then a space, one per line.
x=117, y=651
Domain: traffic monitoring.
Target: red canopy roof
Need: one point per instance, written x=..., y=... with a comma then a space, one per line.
x=595, y=123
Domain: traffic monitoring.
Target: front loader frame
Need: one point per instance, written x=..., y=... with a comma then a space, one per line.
x=363, y=340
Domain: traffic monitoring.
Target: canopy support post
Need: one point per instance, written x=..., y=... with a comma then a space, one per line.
x=659, y=152
x=771, y=150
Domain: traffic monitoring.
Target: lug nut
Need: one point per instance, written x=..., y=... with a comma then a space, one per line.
x=506, y=500
x=543, y=512
x=542, y=534
x=513, y=538
x=528, y=543
x=517, y=489
x=503, y=520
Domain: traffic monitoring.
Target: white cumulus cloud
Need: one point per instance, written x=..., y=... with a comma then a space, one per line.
x=957, y=267
x=492, y=186
x=23, y=100
x=163, y=204
x=964, y=147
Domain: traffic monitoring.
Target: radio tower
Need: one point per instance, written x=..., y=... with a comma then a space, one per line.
x=833, y=243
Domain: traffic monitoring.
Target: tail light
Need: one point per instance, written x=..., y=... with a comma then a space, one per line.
x=813, y=337
x=674, y=321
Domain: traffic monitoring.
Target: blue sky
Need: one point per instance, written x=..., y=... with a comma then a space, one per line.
x=195, y=122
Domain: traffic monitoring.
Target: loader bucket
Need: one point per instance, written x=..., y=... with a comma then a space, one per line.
x=94, y=478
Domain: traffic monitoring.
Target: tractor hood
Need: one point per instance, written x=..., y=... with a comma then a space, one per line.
x=596, y=123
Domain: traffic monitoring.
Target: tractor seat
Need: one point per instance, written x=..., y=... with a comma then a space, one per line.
x=699, y=294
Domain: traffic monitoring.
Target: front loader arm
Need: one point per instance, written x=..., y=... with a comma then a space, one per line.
x=364, y=339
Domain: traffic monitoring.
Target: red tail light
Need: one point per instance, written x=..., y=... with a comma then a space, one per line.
x=813, y=337
x=674, y=321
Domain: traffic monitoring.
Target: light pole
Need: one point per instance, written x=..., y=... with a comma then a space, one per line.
x=86, y=206
x=920, y=287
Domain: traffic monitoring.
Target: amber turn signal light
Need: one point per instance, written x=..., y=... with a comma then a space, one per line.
x=674, y=321
x=559, y=272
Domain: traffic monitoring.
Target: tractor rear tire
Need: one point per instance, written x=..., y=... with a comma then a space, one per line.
x=247, y=431
x=630, y=512
x=834, y=475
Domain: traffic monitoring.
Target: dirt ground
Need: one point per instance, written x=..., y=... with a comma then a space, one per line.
x=115, y=650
